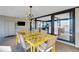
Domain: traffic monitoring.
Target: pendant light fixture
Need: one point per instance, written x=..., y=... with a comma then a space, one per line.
x=30, y=15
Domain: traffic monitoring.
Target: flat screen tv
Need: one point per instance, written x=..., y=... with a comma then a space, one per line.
x=21, y=23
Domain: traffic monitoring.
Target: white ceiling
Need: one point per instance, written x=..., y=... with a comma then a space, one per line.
x=22, y=11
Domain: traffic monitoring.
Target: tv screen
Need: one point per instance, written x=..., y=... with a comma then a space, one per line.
x=20, y=23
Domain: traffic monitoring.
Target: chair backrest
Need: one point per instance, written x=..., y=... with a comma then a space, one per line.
x=22, y=41
x=43, y=31
x=52, y=41
x=24, y=32
x=18, y=38
x=36, y=30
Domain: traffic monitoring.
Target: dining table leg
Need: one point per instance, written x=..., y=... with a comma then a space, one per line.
x=31, y=49
x=37, y=49
x=16, y=40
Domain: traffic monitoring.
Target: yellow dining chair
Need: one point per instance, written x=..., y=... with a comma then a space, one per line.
x=44, y=31
x=24, y=45
x=48, y=46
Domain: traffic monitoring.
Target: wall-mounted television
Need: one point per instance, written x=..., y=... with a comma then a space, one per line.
x=21, y=23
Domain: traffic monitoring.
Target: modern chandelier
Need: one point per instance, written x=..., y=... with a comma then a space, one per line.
x=30, y=16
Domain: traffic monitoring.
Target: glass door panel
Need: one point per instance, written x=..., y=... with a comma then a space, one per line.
x=39, y=24
x=55, y=27
x=64, y=30
x=49, y=29
x=48, y=26
x=44, y=25
x=63, y=27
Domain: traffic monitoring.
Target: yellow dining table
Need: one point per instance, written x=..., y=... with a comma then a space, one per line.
x=35, y=39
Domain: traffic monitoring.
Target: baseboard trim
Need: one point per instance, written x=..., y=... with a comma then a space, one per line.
x=9, y=36
x=66, y=43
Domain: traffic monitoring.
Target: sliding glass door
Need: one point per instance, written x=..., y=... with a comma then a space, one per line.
x=63, y=27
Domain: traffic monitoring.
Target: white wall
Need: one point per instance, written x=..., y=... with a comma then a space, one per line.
x=77, y=27
x=8, y=26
